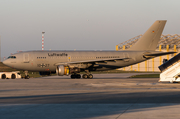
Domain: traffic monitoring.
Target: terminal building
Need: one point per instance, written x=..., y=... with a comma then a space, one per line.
x=166, y=43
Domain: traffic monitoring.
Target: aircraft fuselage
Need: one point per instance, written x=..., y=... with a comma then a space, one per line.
x=48, y=60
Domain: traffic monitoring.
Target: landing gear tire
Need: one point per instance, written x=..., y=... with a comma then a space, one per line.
x=85, y=76
x=3, y=76
x=13, y=76
x=27, y=77
x=73, y=76
x=90, y=76
x=78, y=76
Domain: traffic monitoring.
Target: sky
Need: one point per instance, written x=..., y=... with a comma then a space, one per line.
x=80, y=24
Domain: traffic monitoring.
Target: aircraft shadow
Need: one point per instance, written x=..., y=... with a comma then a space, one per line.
x=98, y=99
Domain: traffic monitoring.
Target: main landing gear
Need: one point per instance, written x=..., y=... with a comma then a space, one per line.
x=84, y=76
x=73, y=76
x=89, y=76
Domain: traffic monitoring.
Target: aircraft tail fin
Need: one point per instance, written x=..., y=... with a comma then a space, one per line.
x=151, y=37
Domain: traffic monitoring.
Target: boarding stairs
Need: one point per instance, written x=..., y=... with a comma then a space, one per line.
x=170, y=70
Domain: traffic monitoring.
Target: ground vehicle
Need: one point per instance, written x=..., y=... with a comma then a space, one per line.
x=10, y=75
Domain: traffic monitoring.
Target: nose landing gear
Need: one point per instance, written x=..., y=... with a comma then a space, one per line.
x=26, y=75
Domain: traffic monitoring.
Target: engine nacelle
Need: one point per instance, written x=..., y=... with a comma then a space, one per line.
x=62, y=70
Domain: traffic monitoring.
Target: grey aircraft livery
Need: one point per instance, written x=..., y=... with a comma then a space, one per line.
x=74, y=62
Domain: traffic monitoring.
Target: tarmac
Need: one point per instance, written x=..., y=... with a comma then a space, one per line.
x=106, y=96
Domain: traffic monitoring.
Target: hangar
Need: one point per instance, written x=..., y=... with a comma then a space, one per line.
x=167, y=43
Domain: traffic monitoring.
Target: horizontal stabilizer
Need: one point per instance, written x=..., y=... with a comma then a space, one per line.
x=157, y=53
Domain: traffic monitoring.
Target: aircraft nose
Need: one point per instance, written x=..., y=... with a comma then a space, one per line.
x=6, y=62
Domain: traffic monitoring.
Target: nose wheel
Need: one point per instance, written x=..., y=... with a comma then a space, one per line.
x=26, y=75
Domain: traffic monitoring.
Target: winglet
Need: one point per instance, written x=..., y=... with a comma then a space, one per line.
x=151, y=37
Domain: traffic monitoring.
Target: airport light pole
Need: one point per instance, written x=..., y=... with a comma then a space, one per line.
x=43, y=40
x=0, y=48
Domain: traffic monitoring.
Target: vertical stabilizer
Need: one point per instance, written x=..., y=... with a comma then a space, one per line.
x=151, y=37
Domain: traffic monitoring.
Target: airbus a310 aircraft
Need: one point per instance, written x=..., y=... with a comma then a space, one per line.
x=73, y=62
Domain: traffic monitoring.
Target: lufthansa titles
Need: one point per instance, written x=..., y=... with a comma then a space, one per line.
x=57, y=54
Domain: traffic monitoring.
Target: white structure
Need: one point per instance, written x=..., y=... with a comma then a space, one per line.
x=166, y=43
x=43, y=40
x=10, y=75
x=170, y=70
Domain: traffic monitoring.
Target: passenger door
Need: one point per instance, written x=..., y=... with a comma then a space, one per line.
x=26, y=58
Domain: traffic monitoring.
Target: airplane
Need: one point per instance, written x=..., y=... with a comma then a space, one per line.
x=74, y=62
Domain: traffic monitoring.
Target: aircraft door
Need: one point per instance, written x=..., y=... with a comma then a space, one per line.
x=26, y=58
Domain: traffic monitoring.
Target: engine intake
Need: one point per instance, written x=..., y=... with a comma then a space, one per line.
x=62, y=70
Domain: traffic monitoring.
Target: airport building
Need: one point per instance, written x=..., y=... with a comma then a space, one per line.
x=166, y=43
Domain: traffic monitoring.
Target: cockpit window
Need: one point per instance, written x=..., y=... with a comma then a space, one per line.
x=12, y=57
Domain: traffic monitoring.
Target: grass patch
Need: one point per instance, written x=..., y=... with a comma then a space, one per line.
x=146, y=76
x=31, y=74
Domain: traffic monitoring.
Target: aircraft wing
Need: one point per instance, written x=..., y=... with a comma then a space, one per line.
x=94, y=61
x=157, y=53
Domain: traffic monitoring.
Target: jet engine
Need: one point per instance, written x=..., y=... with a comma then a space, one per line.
x=62, y=70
